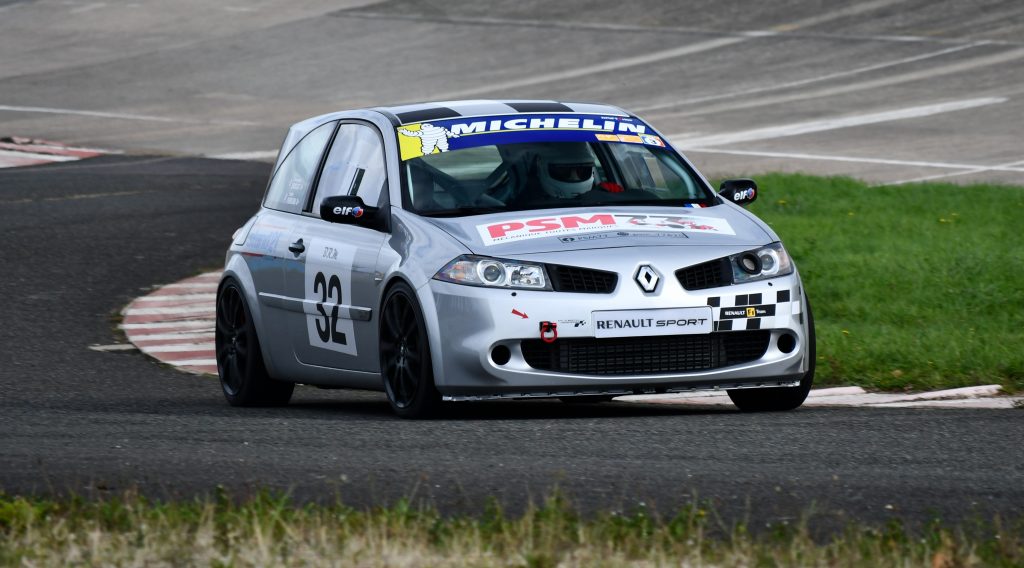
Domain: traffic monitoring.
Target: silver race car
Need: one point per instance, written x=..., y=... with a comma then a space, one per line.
x=483, y=249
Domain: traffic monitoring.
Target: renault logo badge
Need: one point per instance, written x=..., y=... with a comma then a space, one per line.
x=647, y=278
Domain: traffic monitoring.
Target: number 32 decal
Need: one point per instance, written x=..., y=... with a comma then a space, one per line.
x=330, y=291
x=326, y=290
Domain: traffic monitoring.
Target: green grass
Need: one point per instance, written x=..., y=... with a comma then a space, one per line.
x=269, y=530
x=914, y=287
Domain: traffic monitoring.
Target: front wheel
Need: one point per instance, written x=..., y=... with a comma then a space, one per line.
x=781, y=398
x=405, y=356
x=243, y=375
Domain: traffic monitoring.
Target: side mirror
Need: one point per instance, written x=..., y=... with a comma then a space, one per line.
x=350, y=210
x=742, y=192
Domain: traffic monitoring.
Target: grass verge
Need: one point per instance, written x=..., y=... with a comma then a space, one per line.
x=915, y=287
x=270, y=530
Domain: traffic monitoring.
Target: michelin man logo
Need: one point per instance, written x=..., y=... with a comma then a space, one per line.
x=431, y=137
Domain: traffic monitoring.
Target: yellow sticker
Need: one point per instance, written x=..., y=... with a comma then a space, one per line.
x=630, y=138
x=607, y=137
x=415, y=140
x=751, y=312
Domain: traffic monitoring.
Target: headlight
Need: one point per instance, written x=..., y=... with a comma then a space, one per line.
x=760, y=264
x=494, y=273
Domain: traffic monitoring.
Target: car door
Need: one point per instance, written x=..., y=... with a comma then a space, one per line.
x=267, y=247
x=335, y=275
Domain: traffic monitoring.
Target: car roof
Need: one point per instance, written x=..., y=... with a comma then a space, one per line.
x=419, y=112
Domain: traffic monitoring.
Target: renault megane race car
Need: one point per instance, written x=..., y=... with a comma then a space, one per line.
x=483, y=249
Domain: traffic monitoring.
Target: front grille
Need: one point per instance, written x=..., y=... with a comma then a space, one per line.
x=573, y=279
x=711, y=274
x=646, y=355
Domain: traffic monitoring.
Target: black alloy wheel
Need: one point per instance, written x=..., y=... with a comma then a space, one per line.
x=243, y=375
x=781, y=398
x=405, y=356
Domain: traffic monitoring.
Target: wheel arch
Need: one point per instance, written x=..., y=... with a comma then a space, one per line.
x=425, y=298
x=237, y=270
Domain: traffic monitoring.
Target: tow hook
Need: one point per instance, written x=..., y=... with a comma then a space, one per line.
x=548, y=331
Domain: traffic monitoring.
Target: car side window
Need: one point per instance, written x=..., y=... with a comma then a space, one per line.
x=354, y=166
x=290, y=187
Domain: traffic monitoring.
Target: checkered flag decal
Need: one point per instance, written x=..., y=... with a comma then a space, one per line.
x=750, y=311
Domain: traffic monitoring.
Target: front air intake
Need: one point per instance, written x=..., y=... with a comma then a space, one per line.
x=646, y=355
x=586, y=280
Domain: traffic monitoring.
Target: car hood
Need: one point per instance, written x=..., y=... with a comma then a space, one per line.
x=558, y=230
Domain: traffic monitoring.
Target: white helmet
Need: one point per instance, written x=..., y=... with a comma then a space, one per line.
x=565, y=169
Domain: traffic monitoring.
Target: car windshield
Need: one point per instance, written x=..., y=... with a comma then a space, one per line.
x=550, y=170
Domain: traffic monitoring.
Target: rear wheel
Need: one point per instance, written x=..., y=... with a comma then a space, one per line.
x=243, y=375
x=405, y=356
x=781, y=398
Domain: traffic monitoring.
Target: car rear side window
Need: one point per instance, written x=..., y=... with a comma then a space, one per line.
x=290, y=186
x=354, y=166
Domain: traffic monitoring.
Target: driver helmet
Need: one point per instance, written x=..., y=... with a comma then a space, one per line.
x=565, y=169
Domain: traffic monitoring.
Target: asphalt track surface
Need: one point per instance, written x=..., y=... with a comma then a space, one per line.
x=82, y=239
x=884, y=90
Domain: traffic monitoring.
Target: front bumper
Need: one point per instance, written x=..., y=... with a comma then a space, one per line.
x=466, y=324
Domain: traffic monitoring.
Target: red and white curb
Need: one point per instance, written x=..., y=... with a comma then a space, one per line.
x=17, y=152
x=985, y=396
x=175, y=324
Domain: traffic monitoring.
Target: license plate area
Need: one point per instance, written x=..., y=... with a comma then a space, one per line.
x=663, y=321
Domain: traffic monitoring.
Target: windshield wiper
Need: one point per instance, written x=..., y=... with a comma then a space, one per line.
x=462, y=211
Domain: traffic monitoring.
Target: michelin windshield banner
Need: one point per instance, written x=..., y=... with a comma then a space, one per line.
x=451, y=134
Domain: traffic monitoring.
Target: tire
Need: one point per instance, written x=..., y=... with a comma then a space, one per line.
x=781, y=398
x=243, y=374
x=405, y=362
x=586, y=399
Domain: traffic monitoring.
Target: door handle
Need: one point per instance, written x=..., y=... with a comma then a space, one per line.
x=297, y=247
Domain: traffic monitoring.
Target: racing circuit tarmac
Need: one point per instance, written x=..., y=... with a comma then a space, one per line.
x=84, y=238
x=884, y=90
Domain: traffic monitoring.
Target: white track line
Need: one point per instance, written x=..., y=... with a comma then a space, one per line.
x=36, y=156
x=185, y=348
x=784, y=29
x=114, y=347
x=866, y=85
x=583, y=71
x=193, y=363
x=810, y=80
x=853, y=159
x=200, y=297
x=188, y=324
x=985, y=396
x=979, y=170
x=192, y=285
x=812, y=126
x=255, y=156
x=87, y=8
x=851, y=10
x=172, y=336
x=122, y=116
x=656, y=56
x=178, y=310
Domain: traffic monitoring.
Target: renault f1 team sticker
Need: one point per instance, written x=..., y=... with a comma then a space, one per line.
x=566, y=225
x=437, y=136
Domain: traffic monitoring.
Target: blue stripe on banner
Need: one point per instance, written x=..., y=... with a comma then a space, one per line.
x=445, y=135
